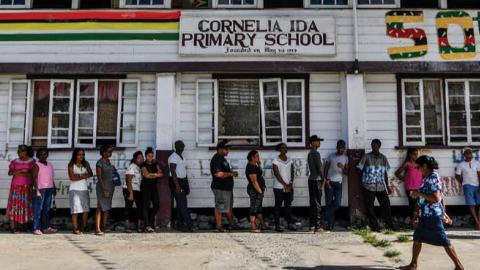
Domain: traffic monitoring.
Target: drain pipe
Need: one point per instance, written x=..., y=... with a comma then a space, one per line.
x=355, y=36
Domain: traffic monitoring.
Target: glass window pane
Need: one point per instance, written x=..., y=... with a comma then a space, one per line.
x=41, y=98
x=294, y=89
x=85, y=120
x=412, y=103
x=270, y=89
x=412, y=89
x=107, y=108
x=294, y=119
x=157, y=2
x=61, y=89
x=413, y=119
x=294, y=104
x=6, y=2
x=61, y=105
x=223, y=2
x=60, y=120
x=363, y=2
x=144, y=2
x=432, y=110
x=87, y=89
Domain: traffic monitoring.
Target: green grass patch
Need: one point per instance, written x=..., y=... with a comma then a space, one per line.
x=382, y=243
x=391, y=253
x=389, y=232
x=362, y=232
x=371, y=238
x=403, y=238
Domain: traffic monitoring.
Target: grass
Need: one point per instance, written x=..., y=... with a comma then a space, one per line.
x=391, y=253
x=370, y=238
x=381, y=243
x=402, y=238
x=389, y=232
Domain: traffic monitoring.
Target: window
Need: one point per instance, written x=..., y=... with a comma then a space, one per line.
x=422, y=112
x=92, y=4
x=251, y=112
x=283, y=3
x=14, y=4
x=62, y=113
x=237, y=4
x=379, y=3
x=145, y=3
x=56, y=4
x=326, y=3
x=419, y=4
x=463, y=4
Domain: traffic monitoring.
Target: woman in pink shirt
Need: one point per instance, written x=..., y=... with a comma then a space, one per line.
x=44, y=191
x=19, y=207
x=410, y=175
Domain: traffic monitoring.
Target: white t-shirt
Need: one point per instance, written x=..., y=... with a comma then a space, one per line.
x=181, y=169
x=80, y=185
x=468, y=171
x=134, y=170
x=285, y=170
x=334, y=172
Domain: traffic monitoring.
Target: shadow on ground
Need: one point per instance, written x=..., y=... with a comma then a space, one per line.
x=464, y=237
x=339, y=267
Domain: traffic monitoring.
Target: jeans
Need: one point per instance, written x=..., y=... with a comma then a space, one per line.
x=183, y=214
x=283, y=198
x=384, y=201
x=41, y=208
x=149, y=195
x=333, y=198
x=315, y=195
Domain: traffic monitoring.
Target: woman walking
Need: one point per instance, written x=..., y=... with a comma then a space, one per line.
x=132, y=193
x=105, y=188
x=79, y=172
x=19, y=206
x=255, y=190
x=151, y=173
x=410, y=175
x=44, y=192
x=283, y=186
x=430, y=214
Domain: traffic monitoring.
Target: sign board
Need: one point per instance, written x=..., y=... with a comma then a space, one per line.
x=257, y=36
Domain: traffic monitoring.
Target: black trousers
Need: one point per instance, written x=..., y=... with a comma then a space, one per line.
x=150, y=196
x=383, y=201
x=183, y=214
x=411, y=203
x=283, y=199
x=315, y=195
x=130, y=213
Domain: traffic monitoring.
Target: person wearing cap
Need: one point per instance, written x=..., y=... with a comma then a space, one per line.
x=315, y=183
x=468, y=173
x=335, y=170
x=222, y=185
x=374, y=168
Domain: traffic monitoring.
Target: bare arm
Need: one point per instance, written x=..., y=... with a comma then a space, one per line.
x=100, y=177
x=77, y=177
x=149, y=175
x=224, y=175
x=400, y=170
x=327, y=168
x=173, y=170
x=128, y=179
x=253, y=178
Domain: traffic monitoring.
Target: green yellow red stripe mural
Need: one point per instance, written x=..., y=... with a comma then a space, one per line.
x=93, y=25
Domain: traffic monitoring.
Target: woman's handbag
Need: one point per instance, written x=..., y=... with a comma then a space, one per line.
x=117, y=181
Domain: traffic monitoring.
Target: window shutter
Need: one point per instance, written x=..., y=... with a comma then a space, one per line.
x=413, y=112
x=128, y=106
x=86, y=113
x=294, y=111
x=207, y=112
x=60, y=114
x=273, y=131
x=18, y=112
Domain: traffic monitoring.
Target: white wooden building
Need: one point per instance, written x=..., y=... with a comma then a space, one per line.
x=245, y=73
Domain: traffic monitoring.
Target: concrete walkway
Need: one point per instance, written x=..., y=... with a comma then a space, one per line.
x=239, y=250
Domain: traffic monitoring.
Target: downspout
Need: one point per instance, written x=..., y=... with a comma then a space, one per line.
x=355, y=36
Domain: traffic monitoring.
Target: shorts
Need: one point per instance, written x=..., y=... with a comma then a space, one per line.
x=223, y=200
x=79, y=201
x=256, y=201
x=472, y=195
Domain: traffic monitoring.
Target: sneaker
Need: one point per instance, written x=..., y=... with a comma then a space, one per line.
x=50, y=230
x=37, y=232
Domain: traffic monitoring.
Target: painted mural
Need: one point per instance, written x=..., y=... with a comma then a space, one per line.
x=89, y=25
x=395, y=23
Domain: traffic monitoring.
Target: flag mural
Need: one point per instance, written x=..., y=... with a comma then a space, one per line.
x=395, y=28
x=464, y=20
x=91, y=25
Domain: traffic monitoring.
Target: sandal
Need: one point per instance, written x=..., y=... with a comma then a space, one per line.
x=99, y=233
x=14, y=231
x=255, y=231
x=77, y=232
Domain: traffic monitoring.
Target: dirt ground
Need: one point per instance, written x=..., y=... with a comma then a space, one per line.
x=208, y=250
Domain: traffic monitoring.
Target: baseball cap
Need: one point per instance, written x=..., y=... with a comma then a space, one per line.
x=341, y=144
x=222, y=145
x=315, y=138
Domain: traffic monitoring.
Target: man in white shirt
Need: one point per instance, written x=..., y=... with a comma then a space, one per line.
x=468, y=173
x=181, y=188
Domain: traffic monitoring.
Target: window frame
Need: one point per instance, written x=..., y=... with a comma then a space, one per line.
x=215, y=112
x=304, y=120
x=257, y=5
x=396, y=5
x=28, y=4
x=120, y=110
x=50, y=114
x=77, y=112
x=262, y=110
x=27, y=109
x=308, y=4
x=166, y=4
x=404, y=115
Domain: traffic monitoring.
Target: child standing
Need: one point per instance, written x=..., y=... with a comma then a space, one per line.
x=19, y=207
x=44, y=191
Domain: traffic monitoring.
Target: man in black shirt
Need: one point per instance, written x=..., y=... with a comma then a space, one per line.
x=315, y=183
x=222, y=185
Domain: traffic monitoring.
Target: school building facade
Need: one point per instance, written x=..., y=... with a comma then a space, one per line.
x=136, y=78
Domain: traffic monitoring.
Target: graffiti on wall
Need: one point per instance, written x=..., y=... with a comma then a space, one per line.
x=395, y=22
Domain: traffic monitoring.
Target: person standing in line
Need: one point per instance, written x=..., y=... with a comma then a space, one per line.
x=222, y=186
x=335, y=170
x=132, y=193
x=79, y=171
x=20, y=201
x=44, y=192
x=151, y=175
x=468, y=173
x=316, y=182
x=430, y=214
x=283, y=187
x=104, y=189
x=181, y=188
x=374, y=167
x=255, y=189
x=412, y=177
